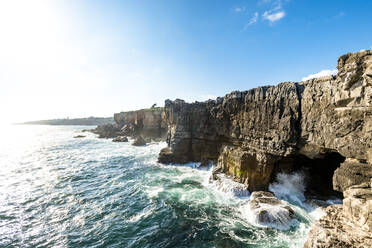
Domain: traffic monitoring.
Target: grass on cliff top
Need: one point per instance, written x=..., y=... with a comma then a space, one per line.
x=145, y=109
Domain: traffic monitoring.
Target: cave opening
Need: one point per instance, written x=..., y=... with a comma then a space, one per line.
x=318, y=172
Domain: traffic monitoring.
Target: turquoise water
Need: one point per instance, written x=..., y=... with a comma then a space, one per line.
x=59, y=191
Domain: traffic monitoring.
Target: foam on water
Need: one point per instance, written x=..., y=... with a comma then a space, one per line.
x=57, y=191
x=229, y=186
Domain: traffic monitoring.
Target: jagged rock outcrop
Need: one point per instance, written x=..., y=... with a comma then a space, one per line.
x=350, y=173
x=346, y=225
x=270, y=211
x=139, y=141
x=107, y=131
x=149, y=123
x=145, y=122
x=252, y=135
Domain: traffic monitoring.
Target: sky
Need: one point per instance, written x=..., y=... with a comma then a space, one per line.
x=79, y=58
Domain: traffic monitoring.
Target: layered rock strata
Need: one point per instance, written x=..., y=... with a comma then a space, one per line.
x=148, y=123
x=252, y=135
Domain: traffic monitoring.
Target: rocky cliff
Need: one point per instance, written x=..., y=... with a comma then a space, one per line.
x=149, y=123
x=322, y=124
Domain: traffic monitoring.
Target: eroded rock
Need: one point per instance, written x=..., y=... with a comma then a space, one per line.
x=270, y=211
x=334, y=230
x=139, y=141
x=350, y=173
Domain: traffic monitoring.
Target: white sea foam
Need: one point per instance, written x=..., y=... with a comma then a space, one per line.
x=228, y=185
x=278, y=217
x=141, y=215
x=290, y=187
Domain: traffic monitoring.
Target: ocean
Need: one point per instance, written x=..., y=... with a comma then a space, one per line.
x=61, y=191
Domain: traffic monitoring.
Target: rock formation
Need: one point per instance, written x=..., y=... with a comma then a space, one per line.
x=252, y=135
x=139, y=141
x=148, y=123
x=120, y=139
x=270, y=211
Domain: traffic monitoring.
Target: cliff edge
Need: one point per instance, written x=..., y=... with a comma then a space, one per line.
x=323, y=124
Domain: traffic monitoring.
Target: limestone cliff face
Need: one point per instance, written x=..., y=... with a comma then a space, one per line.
x=149, y=123
x=145, y=122
x=250, y=134
x=254, y=134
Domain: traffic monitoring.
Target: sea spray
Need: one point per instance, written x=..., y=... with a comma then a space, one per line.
x=290, y=187
x=94, y=192
x=228, y=185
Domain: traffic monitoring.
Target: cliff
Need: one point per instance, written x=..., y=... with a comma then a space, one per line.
x=322, y=124
x=149, y=123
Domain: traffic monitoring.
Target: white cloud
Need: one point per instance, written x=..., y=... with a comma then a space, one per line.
x=322, y=73
x=253, y=20
x=273, y=17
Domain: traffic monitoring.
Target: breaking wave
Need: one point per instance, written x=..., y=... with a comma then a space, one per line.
x=57, y=191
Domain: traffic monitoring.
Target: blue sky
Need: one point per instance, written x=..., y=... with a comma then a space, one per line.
x=82, y=58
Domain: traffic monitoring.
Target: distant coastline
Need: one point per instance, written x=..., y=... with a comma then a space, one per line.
x=89, y=121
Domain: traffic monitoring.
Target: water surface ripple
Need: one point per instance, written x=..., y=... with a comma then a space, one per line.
x=58, y=191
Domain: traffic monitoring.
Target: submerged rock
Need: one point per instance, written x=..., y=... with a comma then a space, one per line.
x=139, y=141
x=120, y=139
x=270, y=211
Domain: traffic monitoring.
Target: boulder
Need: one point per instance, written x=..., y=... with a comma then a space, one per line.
x=270, y=211
x=139, y=141
x=120, y=139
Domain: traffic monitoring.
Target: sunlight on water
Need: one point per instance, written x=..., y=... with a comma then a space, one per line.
x=60, y=191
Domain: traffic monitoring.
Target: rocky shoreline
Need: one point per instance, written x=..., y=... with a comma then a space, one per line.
x=322, y=125
x=142, y=125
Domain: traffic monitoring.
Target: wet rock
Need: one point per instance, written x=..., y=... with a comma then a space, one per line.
x=270, y=211
x=249, y=167
x=107, y=131
x=139, y=141
x=79, y=136
x=228, y=185
x=120, y=139
x=128, y=129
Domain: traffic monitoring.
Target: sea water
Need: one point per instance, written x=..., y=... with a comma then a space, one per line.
x=61, y=191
